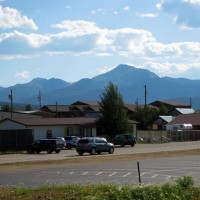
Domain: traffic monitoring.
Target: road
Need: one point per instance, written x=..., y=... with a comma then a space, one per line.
x=158, y=163
x=158, y=170
x=69, y=154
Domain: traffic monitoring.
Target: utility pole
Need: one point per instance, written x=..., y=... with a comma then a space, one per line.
x=10, y=96
x=145, y=96
x=40, y=99
x=190, y=102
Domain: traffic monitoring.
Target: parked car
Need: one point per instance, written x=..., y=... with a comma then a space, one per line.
x=48, y=145
x=71, y=141
x=124, y=139
x=62, y=139
x=94, y=145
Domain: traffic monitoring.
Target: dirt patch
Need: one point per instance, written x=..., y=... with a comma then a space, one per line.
x=99, y=158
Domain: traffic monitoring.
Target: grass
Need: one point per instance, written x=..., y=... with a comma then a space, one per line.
x=181, y=189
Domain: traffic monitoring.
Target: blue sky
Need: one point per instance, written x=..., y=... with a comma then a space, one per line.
x=75, y=39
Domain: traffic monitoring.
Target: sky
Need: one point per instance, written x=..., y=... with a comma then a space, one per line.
x=75, y=39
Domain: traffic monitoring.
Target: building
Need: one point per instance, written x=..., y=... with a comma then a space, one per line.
x=47, y=127
x=193, y=119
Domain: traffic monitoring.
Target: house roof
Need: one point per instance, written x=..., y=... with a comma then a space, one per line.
x=53, y=121
x=185, y=110
x=166, y=118
x=173, y=103
x=193, y=119
x=90, y=103
x=133, y=107
x=4, y=115
x=54, y=108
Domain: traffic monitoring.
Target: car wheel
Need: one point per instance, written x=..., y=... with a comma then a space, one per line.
x=37, y=151
x=111, y=150
x=29, y=151
x=80, y=153
x=49, y=151
x=93, y=151
x=132, y=144
x=57, y=150
x=99, y=152
x=69, y=146
x=122, y=144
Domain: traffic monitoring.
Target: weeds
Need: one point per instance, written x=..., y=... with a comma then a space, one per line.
x=181, y=189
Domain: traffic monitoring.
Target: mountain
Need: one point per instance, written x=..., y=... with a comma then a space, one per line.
x=129, y=80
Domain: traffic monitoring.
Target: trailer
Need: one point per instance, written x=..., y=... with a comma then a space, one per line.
x=178, y=127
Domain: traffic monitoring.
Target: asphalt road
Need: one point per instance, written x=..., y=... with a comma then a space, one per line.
x=69, y=154
x=117, y=168
x=158, y=171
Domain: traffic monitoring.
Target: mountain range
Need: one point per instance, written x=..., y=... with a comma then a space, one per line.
x=131, y=82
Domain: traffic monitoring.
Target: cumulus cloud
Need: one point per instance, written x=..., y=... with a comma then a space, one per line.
x=11, y=18
x=126, y=8
x=185, y=12
x=148, y=15
x=23, y=74
x=86, y=38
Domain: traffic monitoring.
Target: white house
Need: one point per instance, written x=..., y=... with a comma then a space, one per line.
x=45, y=127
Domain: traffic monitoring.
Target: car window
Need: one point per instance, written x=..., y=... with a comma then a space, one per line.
x=84, y=141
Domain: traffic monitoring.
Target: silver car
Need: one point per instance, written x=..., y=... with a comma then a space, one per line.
x=94, y=145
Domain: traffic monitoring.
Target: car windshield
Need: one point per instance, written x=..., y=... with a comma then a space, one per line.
x=84, y=141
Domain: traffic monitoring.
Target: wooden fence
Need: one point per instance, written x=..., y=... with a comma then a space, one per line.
x=167, y=136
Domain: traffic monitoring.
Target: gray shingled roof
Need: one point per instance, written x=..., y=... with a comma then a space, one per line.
x=53, y=121
x=193, y=119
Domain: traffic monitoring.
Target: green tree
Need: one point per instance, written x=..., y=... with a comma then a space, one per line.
x=163, y=109
x=113, y=118
x=28, y=107
x=145, y=117
x=6, y=108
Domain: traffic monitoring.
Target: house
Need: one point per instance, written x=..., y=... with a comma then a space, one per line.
x=47, y=127
x=160, y=123
x=181, y=111
x=170, y=105
x=77, y=109
x=193, y=119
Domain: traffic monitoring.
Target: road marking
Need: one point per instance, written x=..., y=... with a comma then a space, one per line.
x=71, y=172
x=99, y=173
x=84, y=173
x=113, y=173
x=155, y=176
x=142, y=174
x=127, y=174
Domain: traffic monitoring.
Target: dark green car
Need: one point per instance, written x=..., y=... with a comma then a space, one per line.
x=94, y=145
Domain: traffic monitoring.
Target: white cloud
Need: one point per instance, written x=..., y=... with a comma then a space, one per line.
x=11, y=18
x=195, y=2
x=23, y=74
x=104, y=69
x=185, y=12
x=168, y=69
x=126, y=8
x=80, y=38
x=149, y=15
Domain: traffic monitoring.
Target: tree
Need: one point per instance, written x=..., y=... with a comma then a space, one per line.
x=145, y=116
x=28, y=107
x=114, y=118
x=6, y=108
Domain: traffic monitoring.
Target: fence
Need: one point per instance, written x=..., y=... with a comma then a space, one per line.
x=166, y=136
x=15, y=140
